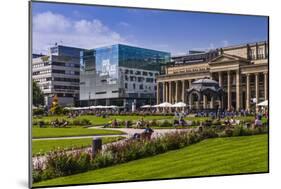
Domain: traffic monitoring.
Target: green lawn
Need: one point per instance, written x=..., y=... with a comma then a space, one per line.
x=66, y=132
x=248, y=154
x=99, y=120
x=44, y=146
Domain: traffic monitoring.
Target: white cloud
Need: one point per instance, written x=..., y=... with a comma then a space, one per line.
x=49, y=28
x=225, y=43
x=124, y=24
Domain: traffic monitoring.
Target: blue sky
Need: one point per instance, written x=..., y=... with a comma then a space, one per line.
x=172, y=31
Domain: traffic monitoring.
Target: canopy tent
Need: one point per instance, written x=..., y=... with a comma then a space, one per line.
x=163, y=105
x=264, y=103
x=146, y=106
x=179, y=105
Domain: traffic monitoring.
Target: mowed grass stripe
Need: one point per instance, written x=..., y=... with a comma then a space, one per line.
x=44, y=146
x=67, y=132
x=209, y=157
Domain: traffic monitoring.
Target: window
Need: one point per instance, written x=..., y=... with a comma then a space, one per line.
x=252, y=53
x=101, y=92
x=132, y=78
x=134, y=86
x=261, y=53
x=126, y=85
x=138, y=72
x=141, y=86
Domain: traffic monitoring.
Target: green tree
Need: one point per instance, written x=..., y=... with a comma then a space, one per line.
x=55, y=107
x=38, y=96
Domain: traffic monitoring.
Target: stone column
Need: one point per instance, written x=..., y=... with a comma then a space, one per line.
x=204, y=101
x=167, y=92
x=190, y=96
x=158, y=93
x=257, y=87
x=170, y=91
x=220, y=84
x=183, y=91
x=164, y=91
x=212, y=98
x=265, y=86
x=248, y=92
x=228, y=90
x=238, y=90
x=177, y=92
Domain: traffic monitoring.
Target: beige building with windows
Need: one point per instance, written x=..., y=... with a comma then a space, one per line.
x=242, y=71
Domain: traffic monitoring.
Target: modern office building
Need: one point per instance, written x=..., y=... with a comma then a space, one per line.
x=58, y=74
x=120, y=75
x=241, y=70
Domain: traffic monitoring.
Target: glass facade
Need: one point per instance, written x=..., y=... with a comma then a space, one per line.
x=60, y=50
x=104, y=70
x=135, y=57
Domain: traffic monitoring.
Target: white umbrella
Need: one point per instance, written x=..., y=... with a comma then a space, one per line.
x=146, y=106
x=164, y=105
x=264, y=103
x=99, y=107
x=112, y=106
x=179, y=105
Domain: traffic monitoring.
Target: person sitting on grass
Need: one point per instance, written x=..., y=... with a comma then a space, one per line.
x=127, y=124
x=176, y=123
x=114, y=123
x=182, y=122
x=146, y=134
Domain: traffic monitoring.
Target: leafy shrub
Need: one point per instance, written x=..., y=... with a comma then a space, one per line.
x=209, y=133
x=38, y=111
x=153, y=123
x=81, y=122
x=166, y=123
x=60, y=163
x=102, y=160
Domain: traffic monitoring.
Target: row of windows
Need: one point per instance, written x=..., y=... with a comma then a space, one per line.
x=65, y=79
x=104, y=92
x=145, y=73
x=139, y=79
x=41, y=72
x=57, y=79
x=41, y=65
x=66, y=87
x=254, y=55
x=141, y=86
x=71, y=65
x=66, y=72
x=65, y=95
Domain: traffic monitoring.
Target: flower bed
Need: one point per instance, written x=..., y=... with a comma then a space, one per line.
x=62, y=163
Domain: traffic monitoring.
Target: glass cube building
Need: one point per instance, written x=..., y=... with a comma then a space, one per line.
x=120, y=75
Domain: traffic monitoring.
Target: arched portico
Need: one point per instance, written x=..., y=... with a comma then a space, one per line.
x=205, y=90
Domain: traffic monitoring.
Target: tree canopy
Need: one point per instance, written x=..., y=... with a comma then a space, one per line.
x=38, y=96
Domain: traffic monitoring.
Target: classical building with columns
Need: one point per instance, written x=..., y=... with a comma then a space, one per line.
x=241, y=70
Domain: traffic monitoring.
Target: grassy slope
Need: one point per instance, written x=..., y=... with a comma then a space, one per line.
x=209, y=157
x=64, y=132
x=44, y=146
